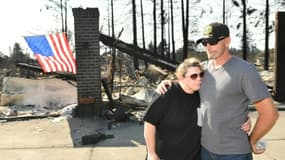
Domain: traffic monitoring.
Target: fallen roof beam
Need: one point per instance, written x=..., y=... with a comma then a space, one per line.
x=138, y=52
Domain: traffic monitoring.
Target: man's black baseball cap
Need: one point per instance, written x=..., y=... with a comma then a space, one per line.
x=215, y=30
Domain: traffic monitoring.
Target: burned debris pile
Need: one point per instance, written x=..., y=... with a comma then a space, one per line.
x=125, y=96
x=132, y=89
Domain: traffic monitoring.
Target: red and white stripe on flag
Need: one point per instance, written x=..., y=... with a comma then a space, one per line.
x=52, y=52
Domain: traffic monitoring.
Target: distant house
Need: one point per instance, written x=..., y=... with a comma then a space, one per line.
x=2, y=55
x=3, y=60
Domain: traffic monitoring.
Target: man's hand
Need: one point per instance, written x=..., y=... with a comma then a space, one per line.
x=152, y=156
x=162, y=87
x=257, y=150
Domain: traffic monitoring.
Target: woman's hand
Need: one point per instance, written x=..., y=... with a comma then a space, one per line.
x=246, y=126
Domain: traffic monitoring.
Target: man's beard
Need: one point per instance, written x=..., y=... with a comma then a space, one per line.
x=215, y=55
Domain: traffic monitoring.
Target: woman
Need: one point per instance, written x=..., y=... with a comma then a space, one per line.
x=170, y=123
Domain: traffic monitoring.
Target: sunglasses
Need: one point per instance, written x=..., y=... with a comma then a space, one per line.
x=196, y=75
x=211, y=41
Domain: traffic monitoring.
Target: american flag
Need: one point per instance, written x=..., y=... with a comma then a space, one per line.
x=52, y=52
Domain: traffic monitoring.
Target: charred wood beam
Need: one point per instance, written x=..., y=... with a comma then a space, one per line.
x=28, y=117
x=108, y=93
x=29, y=67
x=138, y=52
x=39, y=69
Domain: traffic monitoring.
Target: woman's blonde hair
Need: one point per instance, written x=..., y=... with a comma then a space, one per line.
x=181, y=70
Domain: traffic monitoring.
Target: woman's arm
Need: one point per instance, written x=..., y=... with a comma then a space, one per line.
x=149, y=136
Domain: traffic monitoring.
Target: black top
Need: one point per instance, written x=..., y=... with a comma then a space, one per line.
x=175, y=116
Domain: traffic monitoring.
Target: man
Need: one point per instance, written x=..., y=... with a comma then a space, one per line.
x=229, y=86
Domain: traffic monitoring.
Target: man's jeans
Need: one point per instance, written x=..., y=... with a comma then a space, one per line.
x=206, y=155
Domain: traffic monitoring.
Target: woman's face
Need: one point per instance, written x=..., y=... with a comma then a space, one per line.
x=193, y=78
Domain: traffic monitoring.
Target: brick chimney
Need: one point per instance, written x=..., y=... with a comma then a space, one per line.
x=86, y=28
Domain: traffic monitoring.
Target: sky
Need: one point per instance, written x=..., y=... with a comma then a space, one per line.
x=21, y=18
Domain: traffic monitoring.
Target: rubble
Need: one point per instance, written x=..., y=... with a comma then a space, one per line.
x=125, y=96
x=54, y=95
x=48, y=93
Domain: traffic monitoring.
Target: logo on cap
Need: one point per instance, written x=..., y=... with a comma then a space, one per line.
x=208, y=30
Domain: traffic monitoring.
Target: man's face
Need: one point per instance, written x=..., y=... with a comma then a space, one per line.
x=215, y=47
